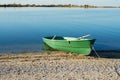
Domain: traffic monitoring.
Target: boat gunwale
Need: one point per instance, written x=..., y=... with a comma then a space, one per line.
x=77, y=40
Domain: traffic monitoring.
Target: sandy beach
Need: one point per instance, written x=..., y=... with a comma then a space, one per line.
x=58, y=65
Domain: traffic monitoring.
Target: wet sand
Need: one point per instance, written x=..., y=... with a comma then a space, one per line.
x=59, y=65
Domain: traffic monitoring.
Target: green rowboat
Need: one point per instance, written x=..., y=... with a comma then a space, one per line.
x=80, y=45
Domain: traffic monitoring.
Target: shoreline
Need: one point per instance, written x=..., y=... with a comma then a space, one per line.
x=65, y=7
x=102, y=53
x=57, y=65
x=55, y=6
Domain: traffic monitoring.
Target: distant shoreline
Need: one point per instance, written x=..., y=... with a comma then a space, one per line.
x=60, y=5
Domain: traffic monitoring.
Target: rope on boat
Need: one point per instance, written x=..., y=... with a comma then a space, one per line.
x=95, y=52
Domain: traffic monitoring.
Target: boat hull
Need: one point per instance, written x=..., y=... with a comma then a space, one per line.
x=76, y=46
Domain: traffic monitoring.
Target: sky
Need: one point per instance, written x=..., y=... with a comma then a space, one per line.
x=76, y=2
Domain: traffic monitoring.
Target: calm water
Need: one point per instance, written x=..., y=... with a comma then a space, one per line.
x=22, y=29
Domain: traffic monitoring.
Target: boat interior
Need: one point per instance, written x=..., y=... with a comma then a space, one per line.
x=63, y=38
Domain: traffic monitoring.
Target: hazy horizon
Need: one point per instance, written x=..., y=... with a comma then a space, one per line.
x=76, y=2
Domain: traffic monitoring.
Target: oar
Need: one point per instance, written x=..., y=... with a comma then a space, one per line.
x=53, y=37
x=84, y=36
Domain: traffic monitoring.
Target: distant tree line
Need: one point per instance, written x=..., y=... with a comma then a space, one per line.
x=59, y=5
x=52, y=5
x=35, y=5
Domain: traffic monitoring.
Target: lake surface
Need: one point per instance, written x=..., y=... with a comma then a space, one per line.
x=22, y=29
